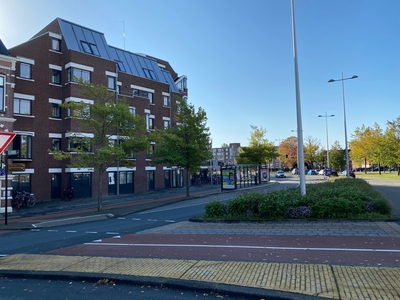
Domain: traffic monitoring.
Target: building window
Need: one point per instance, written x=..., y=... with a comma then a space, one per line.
x=150, y=152
x=166, y=101
x=56, y=77
x=149, y=74
x=56, y=45
x=111, y=82
x=166, y=124
x=83, y=113
x=147, y=121
x=23, y=143
x=55, y=144
x=55, y=111
x=2, y=94
x=144, y=94
x=121, y=66
x=79, y=144
x=74, y=74
x=25, y=70
x=151, y=123
x=132, y=110
x=90, y=48
x=22, y=107
x=21, y=182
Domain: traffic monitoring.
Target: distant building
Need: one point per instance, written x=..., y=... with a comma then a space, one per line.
x=226, y=155
x=45, y=72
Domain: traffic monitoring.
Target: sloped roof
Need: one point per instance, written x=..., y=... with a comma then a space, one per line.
x=3, y=49
x=85, y=40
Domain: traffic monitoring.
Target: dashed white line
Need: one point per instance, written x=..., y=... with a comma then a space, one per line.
x=113, y=233
x=71, y=231
x=136, y=219
x=121, y=218
x=170, y=221
x=35, y=229
x=52, y=230
x=91, y=232
x=152, y=220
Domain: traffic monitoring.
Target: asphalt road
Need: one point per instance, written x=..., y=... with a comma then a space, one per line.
x=43, y=289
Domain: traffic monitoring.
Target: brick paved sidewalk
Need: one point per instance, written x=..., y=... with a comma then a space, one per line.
x=325, y=281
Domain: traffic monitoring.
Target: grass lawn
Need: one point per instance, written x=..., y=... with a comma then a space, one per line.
x=387, y=174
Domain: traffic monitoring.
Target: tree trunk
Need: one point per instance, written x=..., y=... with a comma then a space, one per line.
x=365, y=165
x=100, y=193
x=187, y=183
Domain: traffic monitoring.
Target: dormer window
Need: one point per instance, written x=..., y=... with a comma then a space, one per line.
x=90, y=48
x=149, y=74
x=121, y=66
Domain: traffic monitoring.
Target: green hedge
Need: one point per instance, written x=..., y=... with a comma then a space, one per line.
x=341, y=198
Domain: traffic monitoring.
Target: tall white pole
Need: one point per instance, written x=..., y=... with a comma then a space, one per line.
x=327, y=142
x=300, y=149
x=345, y=130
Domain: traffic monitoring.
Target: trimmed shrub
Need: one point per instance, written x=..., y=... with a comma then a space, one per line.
x=215, y=209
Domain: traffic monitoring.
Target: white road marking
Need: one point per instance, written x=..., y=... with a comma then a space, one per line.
x=120, y=218
x=248, y=247
x=152, y=220
x=35, y=229
x=3, y=255
x=170, y=221
x=136, y=219
x=113, y=233
x=97, y=241
x=52, y=230
x=71, y=231
x=91, y=232
x=116, y=237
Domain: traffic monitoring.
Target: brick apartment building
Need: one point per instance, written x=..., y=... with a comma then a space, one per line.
x=44, y=78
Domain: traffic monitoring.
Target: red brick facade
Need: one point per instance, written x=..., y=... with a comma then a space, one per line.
x=46, y=175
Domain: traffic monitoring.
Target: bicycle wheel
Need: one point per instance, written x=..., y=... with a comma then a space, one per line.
x=31, y=201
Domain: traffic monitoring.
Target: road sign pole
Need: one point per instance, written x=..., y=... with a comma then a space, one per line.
x=6, y=196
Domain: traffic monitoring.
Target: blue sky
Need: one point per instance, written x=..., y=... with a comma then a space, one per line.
x=238, y=56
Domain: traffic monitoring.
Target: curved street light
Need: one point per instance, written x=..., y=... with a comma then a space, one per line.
x=327, y=143
x=344, y=116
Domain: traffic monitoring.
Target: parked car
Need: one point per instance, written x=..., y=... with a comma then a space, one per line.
x=334, y=173
x=280, y=174
x=311, y=172
x=351, y=173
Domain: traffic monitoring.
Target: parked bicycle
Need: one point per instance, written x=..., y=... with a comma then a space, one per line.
x=23, y=199
x=68, y=193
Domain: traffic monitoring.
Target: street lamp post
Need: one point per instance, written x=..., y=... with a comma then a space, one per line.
x=300, y=150
x=344, y=117
x=327, y=142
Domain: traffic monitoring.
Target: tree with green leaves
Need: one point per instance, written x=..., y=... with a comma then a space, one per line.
x=259, y=151
x=117, y=133
x=365, y=145
x=337, y=157
x=186, y=145
x=392, y=143
x=311, y=148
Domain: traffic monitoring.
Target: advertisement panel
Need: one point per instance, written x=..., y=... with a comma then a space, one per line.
x=264, y=175
x=228, y=178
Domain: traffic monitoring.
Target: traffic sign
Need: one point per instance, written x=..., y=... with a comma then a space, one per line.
x=5, y=140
